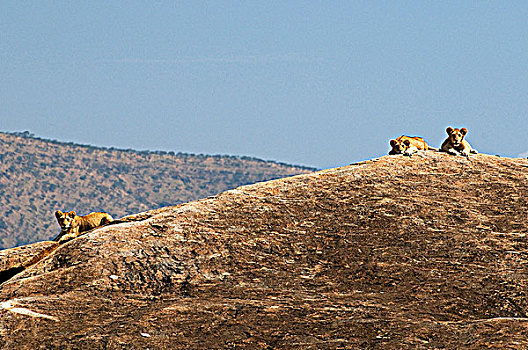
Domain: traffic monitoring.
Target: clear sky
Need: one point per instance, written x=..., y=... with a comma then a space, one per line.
x=319, y=83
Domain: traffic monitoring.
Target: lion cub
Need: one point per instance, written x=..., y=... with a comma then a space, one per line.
x=73, y=225
x=455, y=143
x=408, y=145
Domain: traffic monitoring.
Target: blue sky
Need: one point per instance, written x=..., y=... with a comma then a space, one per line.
x=320, y=83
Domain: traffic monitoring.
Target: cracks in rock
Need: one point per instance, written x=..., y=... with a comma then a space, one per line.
x=158, y=229
x=11, y=272
x=6, y=275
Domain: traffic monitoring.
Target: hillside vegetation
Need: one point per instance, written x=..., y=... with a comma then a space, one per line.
x=428, y=252
x=39, y=176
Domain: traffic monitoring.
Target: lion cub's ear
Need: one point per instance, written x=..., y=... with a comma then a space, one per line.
x=392, y=142
x=58, y=214
x=449, y=130
x=463, y=131
x=406, y=142
x=72, y=214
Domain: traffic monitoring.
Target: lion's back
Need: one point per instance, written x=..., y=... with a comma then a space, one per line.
x=92, y=220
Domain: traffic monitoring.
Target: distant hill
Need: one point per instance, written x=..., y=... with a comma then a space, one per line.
x=39, y=176
x=428, y=252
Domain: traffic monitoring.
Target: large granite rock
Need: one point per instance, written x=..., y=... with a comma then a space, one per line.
x=394, y=253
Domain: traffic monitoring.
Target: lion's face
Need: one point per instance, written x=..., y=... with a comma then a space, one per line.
x=65, y=219
x=399, y=146
x=456, y=136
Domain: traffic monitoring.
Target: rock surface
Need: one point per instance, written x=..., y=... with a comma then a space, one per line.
x=26, y=255
x=394, y=253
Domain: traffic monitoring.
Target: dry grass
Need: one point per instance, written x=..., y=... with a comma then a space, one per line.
x=38, y=177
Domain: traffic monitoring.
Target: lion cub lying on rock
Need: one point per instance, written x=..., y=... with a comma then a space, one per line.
x=455, y=143
x=73, y=225
x=408, y=145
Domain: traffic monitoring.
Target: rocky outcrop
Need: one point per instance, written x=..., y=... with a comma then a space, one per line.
x=393, y=253
x=26, y=255
x=15, y=260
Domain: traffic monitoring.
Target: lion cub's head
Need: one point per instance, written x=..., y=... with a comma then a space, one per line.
x=399, y=146
x=455, y=136
x=65, y=219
